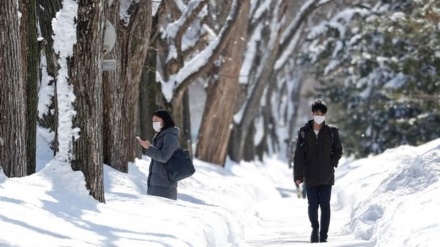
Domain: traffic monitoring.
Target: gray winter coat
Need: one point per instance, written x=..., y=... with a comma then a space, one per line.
x=164, y=145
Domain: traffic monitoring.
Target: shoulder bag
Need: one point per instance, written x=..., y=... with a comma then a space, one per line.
x=179, y=166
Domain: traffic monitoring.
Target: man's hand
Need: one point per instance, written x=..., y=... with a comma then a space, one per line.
x=298, y=182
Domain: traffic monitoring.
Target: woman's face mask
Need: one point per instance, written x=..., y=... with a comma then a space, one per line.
x=318, y=119
x=157, y=126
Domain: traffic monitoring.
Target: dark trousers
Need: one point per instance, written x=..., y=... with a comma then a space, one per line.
x=167, y=192
x=319, y=196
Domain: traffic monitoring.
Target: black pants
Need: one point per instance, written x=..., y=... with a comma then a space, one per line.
x=319, y=196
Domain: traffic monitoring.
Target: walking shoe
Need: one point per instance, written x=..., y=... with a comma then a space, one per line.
x=323, y=240
x=314, y=237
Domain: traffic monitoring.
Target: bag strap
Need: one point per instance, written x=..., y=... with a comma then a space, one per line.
x=332, y=135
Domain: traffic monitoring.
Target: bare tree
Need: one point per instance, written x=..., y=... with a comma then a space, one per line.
x=13, y=149
x=86, y=78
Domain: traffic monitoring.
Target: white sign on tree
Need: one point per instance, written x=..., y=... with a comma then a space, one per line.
x=109, y=43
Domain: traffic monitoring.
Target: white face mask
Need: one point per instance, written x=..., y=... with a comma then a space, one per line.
x=318, y=119
x=157, y=126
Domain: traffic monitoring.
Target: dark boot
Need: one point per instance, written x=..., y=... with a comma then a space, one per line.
x=323, y=237
x=314, y=238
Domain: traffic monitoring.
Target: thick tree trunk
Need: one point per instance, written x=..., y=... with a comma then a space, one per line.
x=30, y=55
x=86, y=78
x=13, y=149
x=223, y=95
x=121, y=93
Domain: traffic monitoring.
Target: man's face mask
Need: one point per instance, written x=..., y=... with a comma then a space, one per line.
x=318, y=119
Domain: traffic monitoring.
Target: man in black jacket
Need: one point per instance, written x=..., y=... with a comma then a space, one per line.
x=317, y=154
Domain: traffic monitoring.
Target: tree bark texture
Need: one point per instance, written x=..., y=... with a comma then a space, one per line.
x=13, y=150
x=269, y=123
x=223, y=95
x=148, y=91
x=121, y=87
x=30, y=54
x=86, y=78
x=46, y=11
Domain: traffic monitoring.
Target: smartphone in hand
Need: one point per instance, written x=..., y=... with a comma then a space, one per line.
x=138, y=138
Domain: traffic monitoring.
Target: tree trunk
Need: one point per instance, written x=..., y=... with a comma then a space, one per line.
x=121, y=93
x=13, y=149
x=250, y=149
x=186, y=123
x=46, y=12
x=86, y=78
x=147, y=96
x=149, y=90
x=30, y=54
x=223, y=95
x=179, y=109
x=269, y=123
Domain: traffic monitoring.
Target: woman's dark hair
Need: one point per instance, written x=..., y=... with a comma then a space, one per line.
x=319, y=105
x=168, y=122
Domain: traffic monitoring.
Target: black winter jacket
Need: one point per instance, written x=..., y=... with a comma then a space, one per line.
x=316, y=158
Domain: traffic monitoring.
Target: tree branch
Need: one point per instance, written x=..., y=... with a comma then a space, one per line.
x=188, y=19
x=198, y=66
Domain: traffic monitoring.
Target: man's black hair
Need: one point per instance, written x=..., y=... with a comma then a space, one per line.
x=319, y=105
x=166, y=117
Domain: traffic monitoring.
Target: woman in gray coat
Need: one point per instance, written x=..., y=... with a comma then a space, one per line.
x=165, y=142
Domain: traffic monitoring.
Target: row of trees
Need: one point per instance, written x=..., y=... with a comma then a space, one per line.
x=242, y=49
x=380, y=64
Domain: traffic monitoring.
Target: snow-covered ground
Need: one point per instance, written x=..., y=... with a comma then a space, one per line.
x=388, y=200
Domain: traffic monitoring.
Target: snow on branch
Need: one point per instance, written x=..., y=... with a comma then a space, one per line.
x=287, y=53
x=250, y=54
x=304, y=12
x=203, y=61
x=175, y=31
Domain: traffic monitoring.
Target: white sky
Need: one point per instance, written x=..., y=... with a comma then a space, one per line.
x=388, y=200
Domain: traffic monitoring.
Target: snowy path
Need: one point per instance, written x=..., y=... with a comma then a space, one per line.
x=285, y=223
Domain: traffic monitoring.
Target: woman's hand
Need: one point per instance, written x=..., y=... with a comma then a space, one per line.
x=145, y=144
